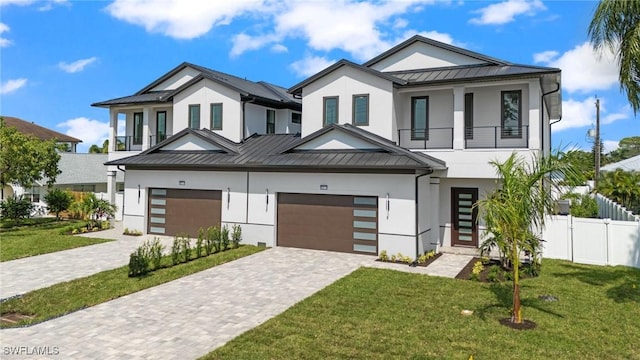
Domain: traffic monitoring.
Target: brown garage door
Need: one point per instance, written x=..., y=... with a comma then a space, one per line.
x=328, y=222
x=175, y=211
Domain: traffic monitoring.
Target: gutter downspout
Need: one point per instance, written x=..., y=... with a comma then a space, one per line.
x=418, y=212
x=244, y=128
x=549, y=93
x=542, y=113
x=125, y=180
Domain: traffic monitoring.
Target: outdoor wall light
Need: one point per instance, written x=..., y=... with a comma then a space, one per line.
x=388, y=206
x=324, y=187
x=228, y=197
x=182, y=182
x=267, y=200
x=138, y=193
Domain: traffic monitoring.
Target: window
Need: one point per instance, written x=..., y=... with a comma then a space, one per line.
x=361, y=109
x=296, y=118
x=137, y=128
x=161, y=126
x=330, y=110
x=468, y=116
x=271, y=121
x=194, y=116
x=511, y=114
x=216, y=116
x=419, y=118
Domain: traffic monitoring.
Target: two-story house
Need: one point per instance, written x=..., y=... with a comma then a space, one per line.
x=391, y=156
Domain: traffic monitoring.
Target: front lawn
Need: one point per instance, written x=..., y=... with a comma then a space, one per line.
x=37, y=237
x=385, y=314
x=66, y=297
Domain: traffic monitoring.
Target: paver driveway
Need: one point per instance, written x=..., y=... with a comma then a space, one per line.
x=191, y=316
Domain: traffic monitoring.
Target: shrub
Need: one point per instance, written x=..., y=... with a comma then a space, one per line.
x=185, y=247
x=422, y=259
x=236, y=236
x=383, y=256
x=132, y=232
x=224, y=238
x=138, y=262
x=477, y=269
x=15, y=208
x=495, y=273
x=200, y=242
x=407, y=259
x=393, y=258
x=175, y=250
x=58, y=201
x=153, y=251
x=210, y=241
x=584, y=206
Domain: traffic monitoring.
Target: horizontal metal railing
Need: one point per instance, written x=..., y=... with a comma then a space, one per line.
x=478, y=137
x=433, y=138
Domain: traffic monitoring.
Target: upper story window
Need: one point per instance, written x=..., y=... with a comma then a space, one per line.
x=330, y=110
x=137, y=128
x=216, y=116
x=296, y=118
x=468, y=116
x=511, y=110
x=194, y=116
x=419, y=118
x=361, y=109
x=271, y=121
x=161, y=126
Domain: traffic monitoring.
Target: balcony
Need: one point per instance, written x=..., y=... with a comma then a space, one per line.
x=127, y=143
x=480, y=137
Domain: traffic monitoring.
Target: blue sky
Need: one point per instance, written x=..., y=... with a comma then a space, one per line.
x=57, y=57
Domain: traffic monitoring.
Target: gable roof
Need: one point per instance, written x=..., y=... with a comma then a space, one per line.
x=422, y=39
x=208, y=136
x=82, y=168
x=269, y=94
x=37, y=131
x=630, y=164
x=296, y=89
x=277, y=152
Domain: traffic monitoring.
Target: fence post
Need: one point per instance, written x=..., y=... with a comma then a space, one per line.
x=570, y=233
x=607, y=238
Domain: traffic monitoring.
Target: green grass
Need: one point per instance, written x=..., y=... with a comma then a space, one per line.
x=37, y=237
x=384, y=314
x=66, y=297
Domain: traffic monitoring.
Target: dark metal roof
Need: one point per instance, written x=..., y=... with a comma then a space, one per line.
x=277, y=152
x=468, y=73
x=418, y=38
x=265, y=93
x=296, y=89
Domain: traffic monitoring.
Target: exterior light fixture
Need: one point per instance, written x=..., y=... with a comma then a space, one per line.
x=182, y=182
x=324, y=187
x=228, y=197
x=388, y=206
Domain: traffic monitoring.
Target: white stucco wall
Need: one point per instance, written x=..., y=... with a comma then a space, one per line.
x=422, y=56
x=345, y=82
x=177, y=80
x=474, y=163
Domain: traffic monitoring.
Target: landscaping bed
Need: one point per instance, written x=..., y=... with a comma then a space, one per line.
x=491, y=271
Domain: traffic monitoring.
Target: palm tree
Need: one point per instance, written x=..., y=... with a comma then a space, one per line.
x=616, y=25
x=519, y=206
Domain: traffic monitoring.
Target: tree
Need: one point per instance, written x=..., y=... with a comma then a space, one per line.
x=622, y=187
x=95, y=149
x=583, y=162
x=627, y=147
x=518, y=207
x=25, y=159
x=58, y=201
x=616, y=25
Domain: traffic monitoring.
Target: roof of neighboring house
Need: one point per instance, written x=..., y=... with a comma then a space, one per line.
x=263, y=92
x=79, y=168
x=630, y=164
x=278, y=152
x=37, y=131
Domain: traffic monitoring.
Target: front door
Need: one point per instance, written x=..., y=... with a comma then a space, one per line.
x=464, y=229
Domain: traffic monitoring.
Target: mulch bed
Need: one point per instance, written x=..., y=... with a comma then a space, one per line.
x=524, y=325
x=425, y=264
x=465, y=273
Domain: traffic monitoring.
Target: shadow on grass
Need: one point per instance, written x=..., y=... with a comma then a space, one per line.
x=504, y=296
x=622, y=282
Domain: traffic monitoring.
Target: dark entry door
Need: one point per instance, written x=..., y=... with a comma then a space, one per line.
x=464, y=229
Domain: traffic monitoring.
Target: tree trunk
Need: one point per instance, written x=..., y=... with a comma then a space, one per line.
x=516, y=317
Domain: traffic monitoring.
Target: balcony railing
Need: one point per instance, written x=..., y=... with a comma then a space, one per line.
x=433, y=138
x=496, y=137
x=127, y=143
x=480, y=137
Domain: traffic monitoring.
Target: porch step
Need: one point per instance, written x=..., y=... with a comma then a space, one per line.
x=460, y=250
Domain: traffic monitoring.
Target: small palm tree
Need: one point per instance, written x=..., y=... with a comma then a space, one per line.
x=516, y=209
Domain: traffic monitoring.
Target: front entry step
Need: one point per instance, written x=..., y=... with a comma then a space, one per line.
x=459, y=250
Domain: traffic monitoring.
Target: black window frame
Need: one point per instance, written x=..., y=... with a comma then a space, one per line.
x=353, y=111
x=506, y=132
x=160, y=136
x=425, y=134
x=324, y=110
x=271, y=126
x=191, y=120
x=299, y=118
x=468, y=116
x=211, y=118
x=138, y=123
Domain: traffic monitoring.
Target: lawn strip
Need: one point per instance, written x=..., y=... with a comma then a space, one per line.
x=384, y=314
x=63, y=298
x=39, y=237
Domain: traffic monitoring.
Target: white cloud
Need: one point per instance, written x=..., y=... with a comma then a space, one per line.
x=90, y=131
x=279, y=48
x=310, y=65
x=44, y=5
x=582, y=114
x=243, y=42
x=77, y=65
x=583, y=69
x=610, y=145
x=3, y=41
x=505, y=12
x=12, y=85
x=181, y=20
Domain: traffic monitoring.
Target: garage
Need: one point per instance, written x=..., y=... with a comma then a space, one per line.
x=341, y=223
x=180, y=211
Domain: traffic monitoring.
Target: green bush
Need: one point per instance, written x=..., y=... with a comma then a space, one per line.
x=153, y=251
x=175, y=250
x=224, y=238
x=477, y=270
x=138, y=262
x=383, y=256
x=495, y=273
x=15, y=208
x=58, y=200
x=185, y=247
x=236, y=236
x=584, y=206
x=209, y=243
x=200, y=242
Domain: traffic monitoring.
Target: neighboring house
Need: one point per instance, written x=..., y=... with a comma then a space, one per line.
x=42, y=133
x=630, y=164
x=392, y=153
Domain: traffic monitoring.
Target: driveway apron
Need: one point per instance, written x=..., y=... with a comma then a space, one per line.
x=191, y=316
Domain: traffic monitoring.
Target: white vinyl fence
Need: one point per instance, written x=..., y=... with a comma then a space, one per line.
x=592, y=241
x=609, y=209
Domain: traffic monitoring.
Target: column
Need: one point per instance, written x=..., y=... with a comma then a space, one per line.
x=146, y=112
x=458, y=117
x=534, y=115
x=111, y=187
x=113, y=129
x=434, y=182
